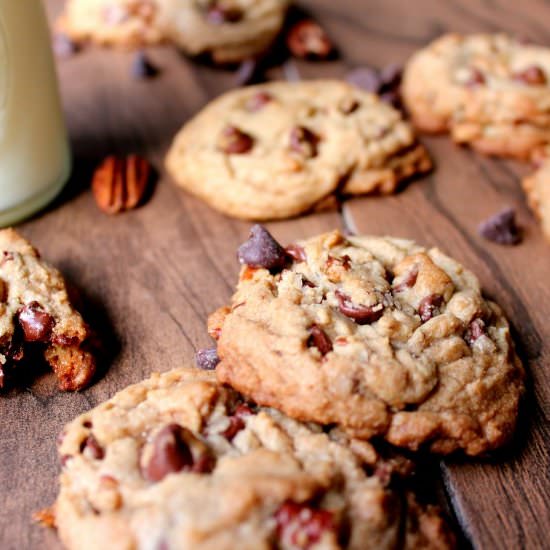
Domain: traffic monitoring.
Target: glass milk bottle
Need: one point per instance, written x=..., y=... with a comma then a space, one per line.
x=34, y=152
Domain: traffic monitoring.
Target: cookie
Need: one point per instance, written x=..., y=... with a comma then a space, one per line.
x=179, y=462
x=125, y=23
x=537, y=190
x=490, y=91
x=276, y=150
x=37, y=320
x=228, y=30
x=375, y=334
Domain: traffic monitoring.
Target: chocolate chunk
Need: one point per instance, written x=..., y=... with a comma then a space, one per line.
x=170, y=453
x=408, y=281
x=36, y=323
x=3, y=291
x=307, y=39
x=532, y=76
x=301, y=526
x=477, y=78
x=207, y=359
x=501, y=228
x=475, y=331
x=304, y=141
x=319, y=339
x=234, y=141
x=218, y=14
x=142, y=67
x=296, y=252
x=236, y=421
x=429, y=306
x=63, y=46
x=361, y=314
x=262, y=250
x=258, y=101
x=91, y=445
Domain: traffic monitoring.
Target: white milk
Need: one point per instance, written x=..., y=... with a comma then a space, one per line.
x=34, y=152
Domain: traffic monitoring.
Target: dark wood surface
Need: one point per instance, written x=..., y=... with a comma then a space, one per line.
x=150, y=277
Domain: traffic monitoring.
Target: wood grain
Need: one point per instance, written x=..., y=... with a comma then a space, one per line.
x=150, y=277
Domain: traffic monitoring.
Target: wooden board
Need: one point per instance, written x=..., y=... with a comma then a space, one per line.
x=150, y=277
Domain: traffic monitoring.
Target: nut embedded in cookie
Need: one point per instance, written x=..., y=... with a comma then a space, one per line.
x=379, y=336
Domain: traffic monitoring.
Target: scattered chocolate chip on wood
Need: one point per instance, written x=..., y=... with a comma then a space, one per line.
x=142, y=67
x=385, y=82
x=501, y=228
x=207, y=359
x=63, y=46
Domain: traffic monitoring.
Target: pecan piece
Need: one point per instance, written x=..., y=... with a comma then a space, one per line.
x=307, y=39
x=120, y=183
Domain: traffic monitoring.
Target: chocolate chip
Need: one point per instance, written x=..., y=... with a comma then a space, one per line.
x=301, y=526
x=348, y=105
x=318, y=338
x=142, y=68
x=362, y=315
x=207, y=359
x=262, y=250
x=236, y=421
x=408, y=281
x=307, y=39
x=476, y=78
x=501, y=228
x=234, y=141
x=91, y=445
x=475, y=330
x=365, y=78
x=304, y=141
x=390, y=76
x=258, y=101
x=532, y=76
x=296, y=252
x=246, y=72
x=63, y=46
x=429, y=306
x=170, y=454
x=37, y=324
x=3, y=291
x=218, y=14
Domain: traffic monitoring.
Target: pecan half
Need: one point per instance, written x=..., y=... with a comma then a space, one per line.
x=120, y=183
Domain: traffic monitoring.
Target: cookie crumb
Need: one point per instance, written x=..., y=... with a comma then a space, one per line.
x=501, y=228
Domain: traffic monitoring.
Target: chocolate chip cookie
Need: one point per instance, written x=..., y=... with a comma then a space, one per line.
x=537, y=189
x=488, y=90
x=228, y=30
x=377, y=335
x=278, y=149
x=37, y=320
x=127, y=23
x=179, y=461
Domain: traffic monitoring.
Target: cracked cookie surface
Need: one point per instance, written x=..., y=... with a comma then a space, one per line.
x=180, y=462
x=37, y=319
x=278, y=149
x=491, y=91
x=378, y=335
x=229, y=30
